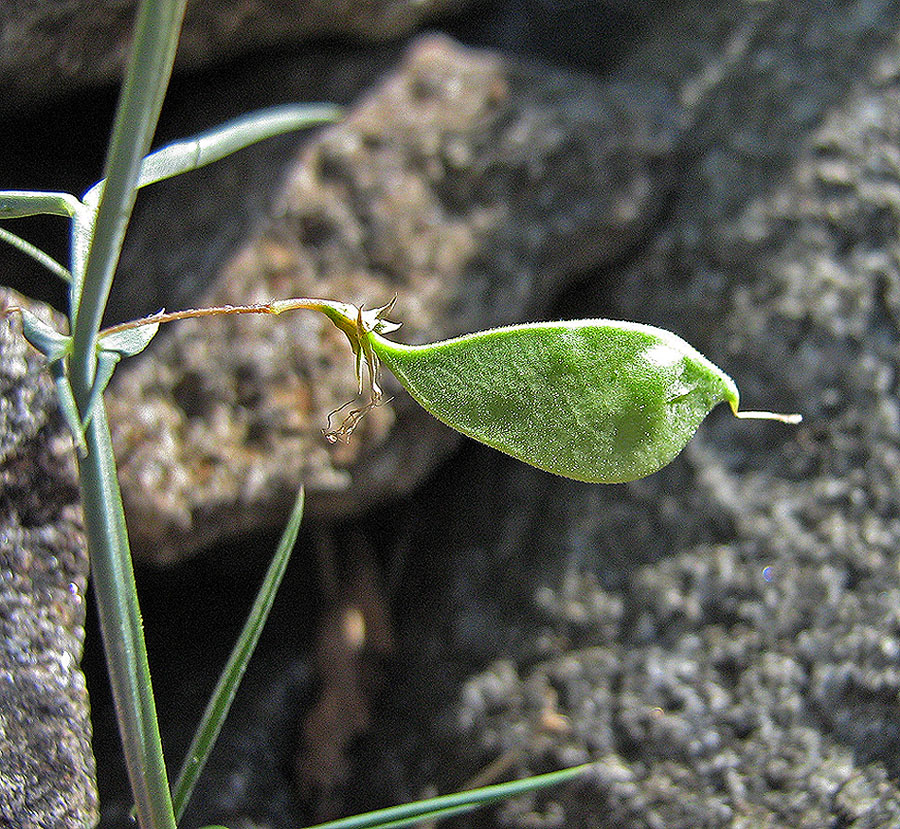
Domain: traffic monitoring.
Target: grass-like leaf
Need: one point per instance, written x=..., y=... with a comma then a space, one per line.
x=36, y=253
x=16, y=204
x=106, y=365
x=223, y=695
x=112, y=575
x=215, y=144
x=67, y=407
x=436, y=808
x=97, y=242
x=156, y=35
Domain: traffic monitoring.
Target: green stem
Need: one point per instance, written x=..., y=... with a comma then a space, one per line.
x=120, y=624
x=157, y=29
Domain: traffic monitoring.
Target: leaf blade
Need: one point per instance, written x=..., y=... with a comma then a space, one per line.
x=445, y=805
x=215, y=144
x=17, y=204
x=222, y=697
x=36, y=254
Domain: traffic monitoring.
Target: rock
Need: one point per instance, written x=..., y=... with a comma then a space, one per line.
x=471, y=186
x=46, y=764
x=727, y=646
x=52, y=48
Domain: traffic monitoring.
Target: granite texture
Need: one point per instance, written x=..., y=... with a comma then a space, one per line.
x=46, y=763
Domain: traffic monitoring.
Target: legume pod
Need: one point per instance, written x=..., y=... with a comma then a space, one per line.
x=595, y=400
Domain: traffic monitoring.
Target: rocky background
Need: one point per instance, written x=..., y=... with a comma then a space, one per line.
x=722, y=637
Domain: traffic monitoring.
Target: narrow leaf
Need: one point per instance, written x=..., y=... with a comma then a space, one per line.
x=106, y=365
x=96, y=244
x=35, y=253
x=594, y=400
x=207, y=147
x=219, y=704
x=153, y=46
x=16, y=204
x=446, y=805
x=112, y=576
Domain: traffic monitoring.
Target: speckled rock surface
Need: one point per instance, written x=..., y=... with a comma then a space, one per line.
x=50, y=48
x=46, y=763
x=723, y=637
x=469, y=185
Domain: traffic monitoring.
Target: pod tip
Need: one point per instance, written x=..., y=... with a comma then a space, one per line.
x=781, y=418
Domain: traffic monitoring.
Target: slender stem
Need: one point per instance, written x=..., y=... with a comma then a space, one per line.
x=120, y=624
x=157, y=29
x=276, y=307
x=350, y=319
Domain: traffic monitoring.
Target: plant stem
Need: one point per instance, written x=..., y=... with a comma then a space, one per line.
x=120, y=625
x=327, y=307
x=157, y=29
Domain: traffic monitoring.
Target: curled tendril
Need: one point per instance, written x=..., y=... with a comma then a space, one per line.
x=350, y=421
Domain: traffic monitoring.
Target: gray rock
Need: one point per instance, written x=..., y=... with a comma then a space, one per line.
x=51, y=48
x=46, y=764
x=752, y=679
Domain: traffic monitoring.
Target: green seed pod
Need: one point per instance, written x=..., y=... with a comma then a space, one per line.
x=594, y=400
